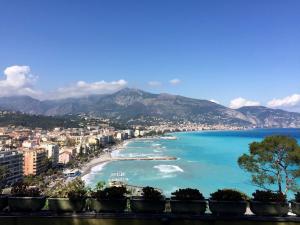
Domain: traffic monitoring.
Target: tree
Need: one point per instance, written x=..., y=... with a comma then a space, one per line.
x=4, y=173
x=70, y=142
x=273, y=162
x=100, y=185
x=46, y=164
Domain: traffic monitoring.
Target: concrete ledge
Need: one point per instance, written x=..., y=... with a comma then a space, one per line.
x=49, y=218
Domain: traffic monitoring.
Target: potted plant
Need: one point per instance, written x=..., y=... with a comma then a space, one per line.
x=69, y=197
x=295, y=204
x=188, y=200
x=151, y=201
x=109, y=199
x=3, y=200
x=267, y=203
x=25, y=198
x=228, y=202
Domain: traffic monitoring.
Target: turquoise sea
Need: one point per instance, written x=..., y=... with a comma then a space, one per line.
x=207, y=160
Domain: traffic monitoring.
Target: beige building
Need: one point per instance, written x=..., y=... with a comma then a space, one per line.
x=92, y=140
x=29, y=144
x=34, y=161
x=5, y=140
x=65, y=157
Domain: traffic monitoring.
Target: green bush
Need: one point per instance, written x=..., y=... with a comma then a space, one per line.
x=100, y=185
x=110, y=193
x=149, y=193
x=228, y=195
x=73, y=190
x=21, y=189
x=297, y=197
x=187, y=194
x=268, y=196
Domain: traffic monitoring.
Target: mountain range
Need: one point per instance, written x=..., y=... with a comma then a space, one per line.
x=134, y=105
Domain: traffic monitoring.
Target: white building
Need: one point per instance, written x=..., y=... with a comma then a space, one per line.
x=120, y=136
x=137, y=133
x=52, y=151
x=29, y=144
x=130, y=133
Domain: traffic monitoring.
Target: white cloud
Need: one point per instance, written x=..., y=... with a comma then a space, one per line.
x=82, y=88
x=286, y=102
x=240, y=102
x=214, y=101
x=18, y=81
x=175, y=81
x=154, y=83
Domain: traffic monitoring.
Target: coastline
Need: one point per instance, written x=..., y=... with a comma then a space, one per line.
x=198, y=160
x=103, y=158
x=107, y=157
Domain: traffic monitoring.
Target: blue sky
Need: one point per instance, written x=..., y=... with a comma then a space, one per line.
x=215, y=49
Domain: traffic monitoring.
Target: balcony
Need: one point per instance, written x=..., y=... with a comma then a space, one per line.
x=89, y=217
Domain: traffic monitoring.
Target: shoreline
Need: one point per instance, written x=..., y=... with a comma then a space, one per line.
x=165, y=185
x=107, y=157
x=95, y=162
x=103, y=158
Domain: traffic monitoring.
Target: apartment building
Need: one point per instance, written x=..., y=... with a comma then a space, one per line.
x=52, y=152
x=11, y=163
x=34, y=161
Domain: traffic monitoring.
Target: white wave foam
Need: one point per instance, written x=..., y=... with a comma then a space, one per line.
x=168, y=168
x=98, y=168
x=125, y=143
x=115, y=153
x=137, y=155
x=157, y=151
x=168, y=175
x=94, y=171
x=156, y=145
x=87, y=179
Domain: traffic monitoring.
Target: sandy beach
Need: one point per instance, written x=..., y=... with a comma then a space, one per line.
x=86, y=169
x=109, y=156
x=104, y=157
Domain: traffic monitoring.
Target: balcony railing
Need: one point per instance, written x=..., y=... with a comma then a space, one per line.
x=128, y=218
x=88, y=215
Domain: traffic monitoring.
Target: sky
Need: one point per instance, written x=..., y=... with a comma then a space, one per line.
x=232, y=52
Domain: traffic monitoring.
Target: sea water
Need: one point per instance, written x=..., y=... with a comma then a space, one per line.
x=206, y=160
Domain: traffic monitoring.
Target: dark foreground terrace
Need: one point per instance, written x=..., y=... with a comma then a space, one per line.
x=50, y=218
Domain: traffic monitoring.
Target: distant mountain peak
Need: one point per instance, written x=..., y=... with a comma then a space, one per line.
x=254, y=107
x=14, y=97
x=129, y=91
x=132, y=104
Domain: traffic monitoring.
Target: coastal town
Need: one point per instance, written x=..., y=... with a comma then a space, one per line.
x=60, y=154
x=149, y=112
